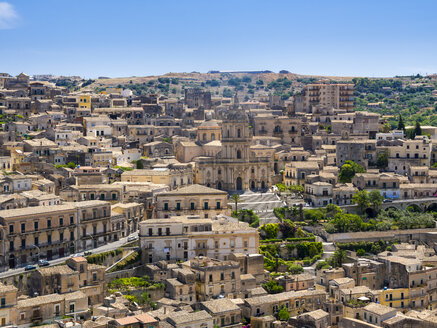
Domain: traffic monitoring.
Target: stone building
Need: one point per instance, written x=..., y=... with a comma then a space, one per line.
x=76, y=275
x=339, y=96
x=224, y=312
x=362, y=152
x=235, y=167
x=52, y=231
x=196, y=97
x=192, y=200
x=183, y=237
x=215, y=278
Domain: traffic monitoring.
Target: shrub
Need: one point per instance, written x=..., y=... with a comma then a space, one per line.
x=295, y=269
x=283, y=314
x=271, y=230
x=361, y=252
x=272, y=287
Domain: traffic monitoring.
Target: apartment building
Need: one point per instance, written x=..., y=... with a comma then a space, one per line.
x=296, y=173
x=215, y=278
x=77, y=274
x=191, y=200
x=338, y=96
x=50, y=232
x=406, y=153
x=184, y=237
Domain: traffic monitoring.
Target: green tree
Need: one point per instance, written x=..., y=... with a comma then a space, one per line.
x=361, y=252
x=272, y=287
x=361, y=198
x=339, y=257
x=348, y=171
x=297, y=190
x=271, y=230
x=139, y=164
x=345, y=222
x=346, y=174
x=401, y=124
x=382, y=160
x=71, y=165
x=283, y=314
x=236, y=199
x=417, y=129
x=375, y=199
x=332, y=210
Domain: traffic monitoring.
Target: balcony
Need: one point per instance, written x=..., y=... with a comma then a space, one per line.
x=88, y=219
x=201, y=248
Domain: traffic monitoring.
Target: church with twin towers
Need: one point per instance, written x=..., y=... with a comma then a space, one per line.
x=236, y=167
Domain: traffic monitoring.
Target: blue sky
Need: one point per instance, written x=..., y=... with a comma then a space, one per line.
x=94, y=38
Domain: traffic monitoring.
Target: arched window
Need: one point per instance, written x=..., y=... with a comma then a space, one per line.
x=277, y=128
x=238, y=153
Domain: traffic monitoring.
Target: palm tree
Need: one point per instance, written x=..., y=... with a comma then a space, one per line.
x=235, y=198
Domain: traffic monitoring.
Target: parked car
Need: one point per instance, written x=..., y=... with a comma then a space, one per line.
x=87, y=253
x=131, y=238
x=29, y=267
x=43, y=263
x=388, y=200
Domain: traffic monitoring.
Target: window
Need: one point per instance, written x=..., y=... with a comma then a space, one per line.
x=150, y=232
x=23, y=243
x=49, y=223
x=23, y=227
x=71, y=235
x=218, y=205
x=210, y=278
x=35, y=225
x=192, y=206
x=11, y=228
x=11, y=245
x=36, y=241
x=3, y=304
x=178, y=206
x=159, y=231
x=165, y=206
x=61, y=222
x=71, y=220
x=61, y=236
x=49, y=239
x=167, y=231
x=205, y=205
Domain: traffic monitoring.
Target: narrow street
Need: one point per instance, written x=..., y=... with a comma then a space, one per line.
x=100, y=249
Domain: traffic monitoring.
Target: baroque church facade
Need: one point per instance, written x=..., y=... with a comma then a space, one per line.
x=235, y=167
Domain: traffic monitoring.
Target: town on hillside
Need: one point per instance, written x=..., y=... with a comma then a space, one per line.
x=223, y=199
